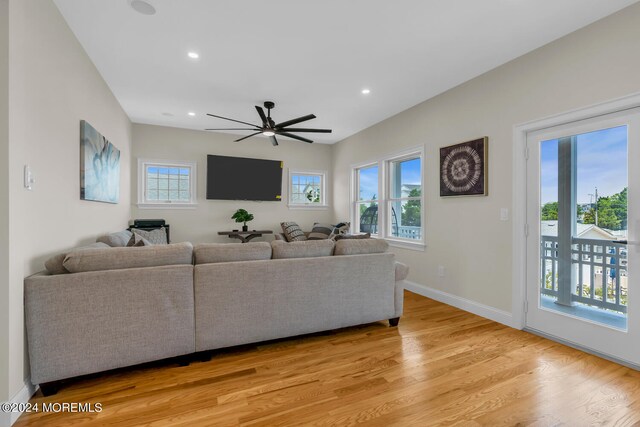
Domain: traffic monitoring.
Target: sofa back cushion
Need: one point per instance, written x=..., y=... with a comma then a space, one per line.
x=208, y=253
x=361, y=246
x=54, y=264
x=306, y=249
x=116, y=240
x=132, y=257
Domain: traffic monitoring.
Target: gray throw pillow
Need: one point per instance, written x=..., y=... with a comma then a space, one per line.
x=293, y=232
x=137, y=241
x=116, y=240
x=320, y=232
x=156, y=237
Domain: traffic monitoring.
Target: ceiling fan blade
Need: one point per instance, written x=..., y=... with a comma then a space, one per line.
x=308, y=130
x=248, y=136
x=235, y=129
x=274, y=141
x=237, y=121
x=294, y=121
x=299, y=138
x=262, y=115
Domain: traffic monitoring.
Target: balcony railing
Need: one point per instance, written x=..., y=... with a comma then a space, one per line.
x=404, y=232
x=600, y=276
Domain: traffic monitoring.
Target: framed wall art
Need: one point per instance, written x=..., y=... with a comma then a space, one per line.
x=463, y=169
x=99, y=166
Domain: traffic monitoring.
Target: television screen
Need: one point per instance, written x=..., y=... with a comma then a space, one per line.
x=240, y=178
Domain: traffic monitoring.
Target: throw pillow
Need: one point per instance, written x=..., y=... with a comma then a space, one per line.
x=138, y=240
x=156, y=237
x=115, y=240
x=351, y=236
x=342, y=228
x=293, y=232
x=320, y=232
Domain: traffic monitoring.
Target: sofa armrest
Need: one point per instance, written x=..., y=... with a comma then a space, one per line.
x=402, y=271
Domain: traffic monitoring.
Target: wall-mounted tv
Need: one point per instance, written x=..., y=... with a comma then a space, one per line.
x=241, y=178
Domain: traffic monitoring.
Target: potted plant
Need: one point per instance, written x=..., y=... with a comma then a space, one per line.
x=243, y=216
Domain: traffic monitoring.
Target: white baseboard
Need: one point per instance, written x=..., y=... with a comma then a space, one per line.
x=491, y=313
x=22, y=396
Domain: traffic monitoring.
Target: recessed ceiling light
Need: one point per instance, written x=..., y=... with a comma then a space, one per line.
x=193, y=55
x=191, y=113
x=143, y=7
x=366, y=91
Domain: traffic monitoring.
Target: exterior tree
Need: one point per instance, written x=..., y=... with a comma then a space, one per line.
x=549, y=211
x=411, y=210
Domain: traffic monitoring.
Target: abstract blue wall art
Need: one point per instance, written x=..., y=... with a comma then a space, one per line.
x=99, y=166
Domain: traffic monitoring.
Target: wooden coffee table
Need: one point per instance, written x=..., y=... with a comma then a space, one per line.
x=244, y=236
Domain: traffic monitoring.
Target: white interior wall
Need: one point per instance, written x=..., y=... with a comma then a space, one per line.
x=465, y=234
x=201, y=225
x=4, y=201
x=53, y=85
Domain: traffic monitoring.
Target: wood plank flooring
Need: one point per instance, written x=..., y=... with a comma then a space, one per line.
x=441, y=366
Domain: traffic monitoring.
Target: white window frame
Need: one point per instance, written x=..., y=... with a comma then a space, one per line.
x=143, y=203
x=323, y=189
x=384, y=197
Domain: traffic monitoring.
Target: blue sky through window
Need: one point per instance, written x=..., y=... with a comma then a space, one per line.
x=602, y=163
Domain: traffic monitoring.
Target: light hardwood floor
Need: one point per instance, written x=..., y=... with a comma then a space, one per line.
x=441, y=366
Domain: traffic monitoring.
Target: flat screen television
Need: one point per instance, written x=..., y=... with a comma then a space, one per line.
x=241, y=178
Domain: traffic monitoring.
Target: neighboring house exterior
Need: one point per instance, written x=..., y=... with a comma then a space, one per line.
x=583, y=231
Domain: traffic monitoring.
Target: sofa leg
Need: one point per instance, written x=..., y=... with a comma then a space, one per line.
x=49, y=389
x=184, y=360
x=394, y=321
x=204, y=356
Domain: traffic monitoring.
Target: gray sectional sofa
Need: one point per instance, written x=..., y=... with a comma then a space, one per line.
x=110, y=307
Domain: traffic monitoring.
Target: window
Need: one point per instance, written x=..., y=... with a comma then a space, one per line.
x=405, y=198
x=388, y=198
x=166, y=184
x=367, y=199
x=307, y=189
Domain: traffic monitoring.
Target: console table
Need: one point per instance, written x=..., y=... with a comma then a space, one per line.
x=244, y=236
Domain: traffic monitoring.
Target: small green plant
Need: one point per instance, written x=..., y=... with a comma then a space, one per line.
x=243, y=216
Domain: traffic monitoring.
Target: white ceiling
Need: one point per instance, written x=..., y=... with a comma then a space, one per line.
x=308, y=56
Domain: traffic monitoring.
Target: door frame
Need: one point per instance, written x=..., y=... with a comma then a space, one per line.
x=519, y=189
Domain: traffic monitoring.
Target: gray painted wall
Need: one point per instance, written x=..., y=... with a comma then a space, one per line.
x=53, y=86
x=203, y=223
x=465, y=235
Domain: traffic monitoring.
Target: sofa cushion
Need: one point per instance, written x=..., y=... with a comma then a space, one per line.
x=307, y=249
x=133, y=257
x=116, y=240
x=361, y=246
x=293, y=232
x=320, y=231
x=207, y=253
x=54, y=264
x=156, y=237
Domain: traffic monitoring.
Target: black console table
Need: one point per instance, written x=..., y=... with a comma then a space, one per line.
x=244, y=236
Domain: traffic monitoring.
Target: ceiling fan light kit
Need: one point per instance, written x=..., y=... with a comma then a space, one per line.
x=271, y=129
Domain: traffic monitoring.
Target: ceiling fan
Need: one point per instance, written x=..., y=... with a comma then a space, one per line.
x=271, y=129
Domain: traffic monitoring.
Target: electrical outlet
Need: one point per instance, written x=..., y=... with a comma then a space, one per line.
x=504, y=214
x=441, y=271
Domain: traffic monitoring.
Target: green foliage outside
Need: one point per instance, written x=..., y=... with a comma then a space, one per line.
x=364, y=207
x=411, y=210
x=612, y=212
x=313, y=195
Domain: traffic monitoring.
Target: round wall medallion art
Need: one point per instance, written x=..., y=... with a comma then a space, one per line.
x=463, y=169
